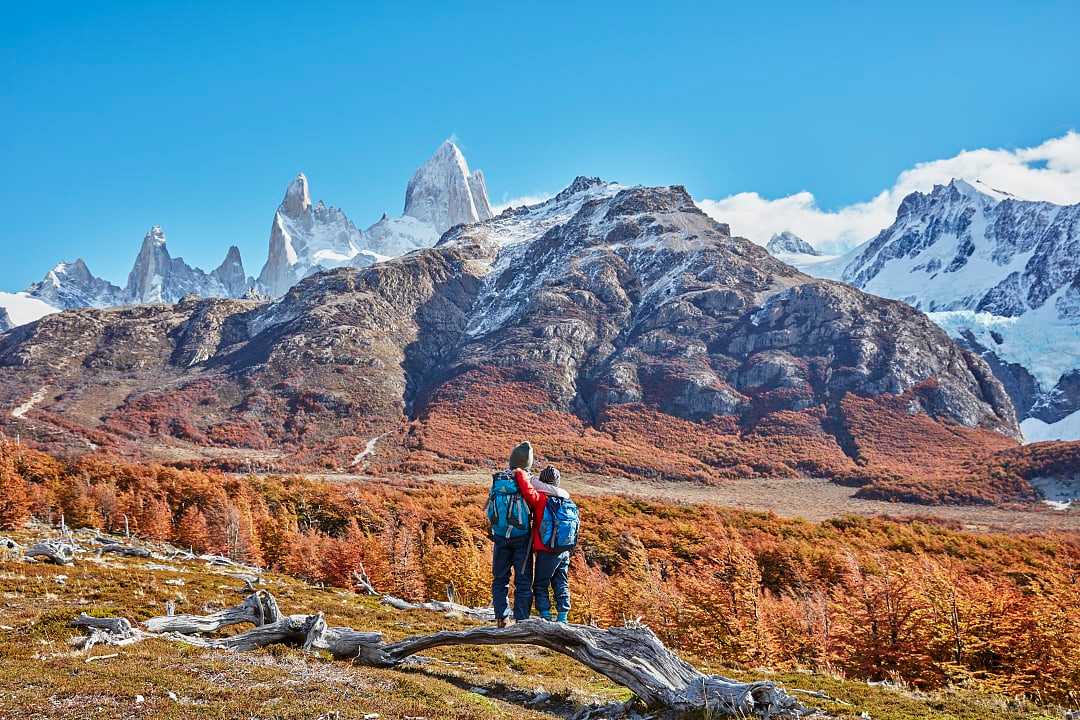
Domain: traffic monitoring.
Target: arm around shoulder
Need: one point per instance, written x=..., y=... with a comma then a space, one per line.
x=525, y=487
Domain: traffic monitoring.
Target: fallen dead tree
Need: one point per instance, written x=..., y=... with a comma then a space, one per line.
x=631, y=656
x=59, y=552
x=258, y=609
x=125, y=550
x=446, y=607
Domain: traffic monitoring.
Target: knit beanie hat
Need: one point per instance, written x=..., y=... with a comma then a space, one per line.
x=522, y=456
x=550, y=475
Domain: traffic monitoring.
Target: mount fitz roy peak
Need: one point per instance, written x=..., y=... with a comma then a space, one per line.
x=305, y=238
x=441, y=194
x=1001, y=275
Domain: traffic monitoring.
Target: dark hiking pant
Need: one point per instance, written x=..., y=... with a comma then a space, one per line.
x=552, y=569
x=512, y=556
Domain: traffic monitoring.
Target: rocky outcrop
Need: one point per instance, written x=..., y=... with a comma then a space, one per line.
x=788, y=243
x=639, y=295
x=306, y=238
x=230, y=273
x=5, y=320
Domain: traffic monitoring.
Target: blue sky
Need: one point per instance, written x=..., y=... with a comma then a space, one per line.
x=117, y=116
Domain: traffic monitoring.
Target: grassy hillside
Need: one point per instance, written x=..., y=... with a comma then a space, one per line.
x=42, y=677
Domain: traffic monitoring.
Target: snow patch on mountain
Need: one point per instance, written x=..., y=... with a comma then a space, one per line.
x=1035, y=430
x=390, y=237
x=22, y=308
x=1047, y=345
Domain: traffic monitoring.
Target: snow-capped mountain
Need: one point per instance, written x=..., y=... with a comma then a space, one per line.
x=999, y=273
x=72, y=285
x=607, y=320
x=21, y=308
x=306, y=238
x=788, y=243
x=157, y=277
x=442, y=193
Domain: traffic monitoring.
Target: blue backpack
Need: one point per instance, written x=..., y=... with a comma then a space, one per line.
x=559, y=528
x=507, y=512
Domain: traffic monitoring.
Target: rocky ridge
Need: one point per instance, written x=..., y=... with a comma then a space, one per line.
x=305, y=238
x=1000, y=274
x=597, y=322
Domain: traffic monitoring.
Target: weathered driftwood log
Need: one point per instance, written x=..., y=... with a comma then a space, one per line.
x=485, y=614
x=250, y=581
x=363, y=582
x=222, y=561
x=258, y=609
x=54, y=551
x=632, y=656
x=110, y=631
x=307, y=631
x=125, y=550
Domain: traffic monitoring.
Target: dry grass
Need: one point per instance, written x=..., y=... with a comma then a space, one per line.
x=42, y=677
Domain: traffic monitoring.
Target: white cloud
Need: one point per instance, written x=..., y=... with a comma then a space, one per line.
x=519, y=201
x=1050, y=171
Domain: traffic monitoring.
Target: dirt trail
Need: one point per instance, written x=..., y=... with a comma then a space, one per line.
x=809, y=498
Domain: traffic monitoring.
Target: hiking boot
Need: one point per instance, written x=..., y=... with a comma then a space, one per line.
x=501, y=623
x=545, y=616
x=561, y=618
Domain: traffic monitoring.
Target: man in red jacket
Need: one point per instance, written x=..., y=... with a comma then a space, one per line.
x=549, y=568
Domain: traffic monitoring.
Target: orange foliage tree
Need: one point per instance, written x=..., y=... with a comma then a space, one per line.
x=872, y=598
